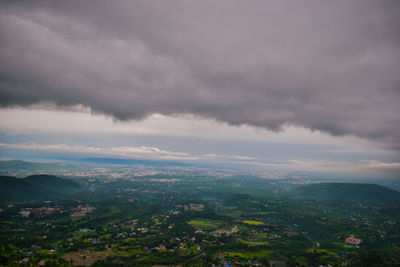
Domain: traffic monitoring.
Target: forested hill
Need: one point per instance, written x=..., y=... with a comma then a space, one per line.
x=348, y=192
x=37, y=187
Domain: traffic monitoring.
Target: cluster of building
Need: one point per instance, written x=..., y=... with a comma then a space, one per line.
x=39, y=212
x=81, y=210
x=234, y=230
x=191, y=207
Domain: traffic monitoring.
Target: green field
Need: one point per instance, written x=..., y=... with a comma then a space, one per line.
x=250, y=255
x=204, y=224
x=253, y=222
x=252, y=243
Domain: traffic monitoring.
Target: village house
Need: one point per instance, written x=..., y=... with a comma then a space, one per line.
x=82, y=210
x=353, y=241
x=25, y=213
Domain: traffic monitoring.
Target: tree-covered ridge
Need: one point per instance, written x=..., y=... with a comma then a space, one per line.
x=348, y=192
x=36, y=187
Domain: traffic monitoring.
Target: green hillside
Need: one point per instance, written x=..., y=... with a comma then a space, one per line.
x=53, y=183
x=347, y=192
x=36, y=187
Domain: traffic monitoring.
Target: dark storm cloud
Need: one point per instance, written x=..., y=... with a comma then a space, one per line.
x=325, y=65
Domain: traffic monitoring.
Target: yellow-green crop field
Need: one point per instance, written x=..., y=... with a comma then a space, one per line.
x=204, y=224
x=253, y=222
x=253, y=243
x=250, y=255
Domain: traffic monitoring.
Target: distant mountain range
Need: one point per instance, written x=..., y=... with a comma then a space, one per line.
x=347, y=192
x=122, y=161
x=17, y=165
x=48, y=187
x=37, y=187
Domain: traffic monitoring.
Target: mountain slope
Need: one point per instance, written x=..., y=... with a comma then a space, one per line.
x=348, y=192
x=53, y=183
x=36, y=187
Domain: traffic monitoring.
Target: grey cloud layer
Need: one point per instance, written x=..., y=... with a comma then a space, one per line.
x=326, y=65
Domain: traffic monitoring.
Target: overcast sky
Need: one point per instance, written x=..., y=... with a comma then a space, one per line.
x=299, y=85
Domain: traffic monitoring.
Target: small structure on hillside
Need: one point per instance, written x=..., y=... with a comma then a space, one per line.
x=351, y=240
x=82, y=210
